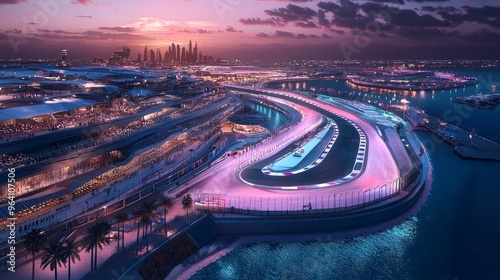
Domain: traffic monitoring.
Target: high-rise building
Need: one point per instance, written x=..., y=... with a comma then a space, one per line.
x=190, y=53
x=152, y=59
x=64, y=57
x=183, y=54
x=159, y=59
x=173, y=55
x=139, y=57
x=176, y=54
x=178, y=58
x=195, y=53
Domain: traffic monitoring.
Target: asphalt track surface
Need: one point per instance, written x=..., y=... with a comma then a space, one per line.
x=337, y=164
x=223, y=178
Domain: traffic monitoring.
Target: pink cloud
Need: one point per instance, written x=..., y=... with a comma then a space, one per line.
x=82, y=2
x=5, y=2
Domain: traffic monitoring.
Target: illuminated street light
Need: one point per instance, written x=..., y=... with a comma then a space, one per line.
x=404, y=102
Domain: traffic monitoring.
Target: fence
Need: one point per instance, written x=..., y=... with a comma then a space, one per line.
x=296, y=205
x=279, y=139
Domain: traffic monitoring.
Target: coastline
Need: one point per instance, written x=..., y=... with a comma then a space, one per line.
x=225, y=244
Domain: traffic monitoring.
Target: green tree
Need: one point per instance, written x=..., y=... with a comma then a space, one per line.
x=187, y=203
x=95, y=237
x=53, y=256
x=166, y=202
x=33, y=242
x=71, y=253
x=121, y=218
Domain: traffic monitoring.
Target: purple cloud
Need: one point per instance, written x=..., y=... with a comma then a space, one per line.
x=5, y=2
x=118, y=29
x=81, y=2
x=292, y=13
x=232, y=29
x=259, y=21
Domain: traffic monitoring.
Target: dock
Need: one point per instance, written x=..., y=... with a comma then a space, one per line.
x=466, y=143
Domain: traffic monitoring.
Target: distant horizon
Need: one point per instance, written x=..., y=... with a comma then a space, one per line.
x=267, y=30
x=224, y=60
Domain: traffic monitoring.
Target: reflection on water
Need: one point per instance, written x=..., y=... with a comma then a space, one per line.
x=294, y=86
x=355, y=258
x=276, y=118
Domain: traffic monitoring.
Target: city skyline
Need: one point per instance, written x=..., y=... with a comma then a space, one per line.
x=255, y=30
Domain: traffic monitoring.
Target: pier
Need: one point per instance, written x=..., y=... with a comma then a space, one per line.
x=481, y=101
x=467, y=144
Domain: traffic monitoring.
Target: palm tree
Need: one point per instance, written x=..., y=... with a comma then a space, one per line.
x=148, y=208
x=137, y=213
x=166, y=202
x=33, y=242
x=121, y=218
x=95, y=237
x=54, y=256
x=71, y=252
x=187, y=202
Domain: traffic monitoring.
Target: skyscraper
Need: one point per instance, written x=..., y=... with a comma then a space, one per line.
x=173, y=53
x=195, y=53
x=152, y=59
x=159, y=59
x=190, y=53
x=178, y=58
x=64, y=57
x=139, y=60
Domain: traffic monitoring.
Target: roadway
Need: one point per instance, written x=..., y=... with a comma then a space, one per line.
x=337, y=164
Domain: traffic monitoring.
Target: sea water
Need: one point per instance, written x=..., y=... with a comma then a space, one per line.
x=275, y=118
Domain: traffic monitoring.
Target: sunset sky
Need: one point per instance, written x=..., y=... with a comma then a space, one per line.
x=254, y=29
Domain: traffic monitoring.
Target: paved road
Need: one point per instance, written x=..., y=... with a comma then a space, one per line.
x=337, y=164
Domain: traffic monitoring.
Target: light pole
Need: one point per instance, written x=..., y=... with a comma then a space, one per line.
x=404, y=102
